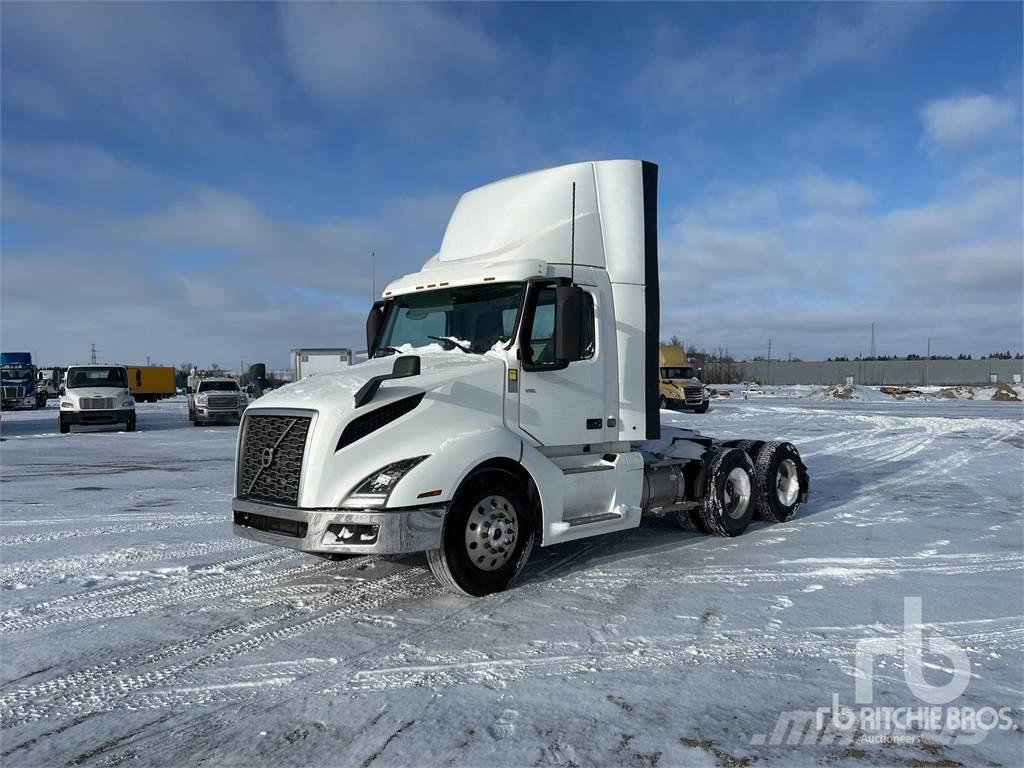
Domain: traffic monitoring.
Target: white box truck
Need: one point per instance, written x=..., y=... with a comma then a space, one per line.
x=510, y=400
x=311, y=361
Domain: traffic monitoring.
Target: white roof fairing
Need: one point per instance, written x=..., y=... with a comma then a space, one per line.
x=518, y=225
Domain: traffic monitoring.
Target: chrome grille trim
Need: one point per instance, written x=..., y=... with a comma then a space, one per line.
x=10, y=392
x=222, y=401
x=694, y=393
x=96, y=403
x=285, y=434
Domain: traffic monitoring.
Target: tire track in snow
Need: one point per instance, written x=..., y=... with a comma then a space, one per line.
x=58, y=569
x=228, y=577
x=106, y=686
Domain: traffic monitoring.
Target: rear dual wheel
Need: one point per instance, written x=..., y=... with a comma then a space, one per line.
x=727, y=505
x=782, y=481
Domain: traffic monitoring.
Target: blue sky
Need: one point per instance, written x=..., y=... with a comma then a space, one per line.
x=204, y=183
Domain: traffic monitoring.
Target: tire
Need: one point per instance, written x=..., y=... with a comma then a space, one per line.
x=491, y=509
x=702, y=408
x=662, y=403
x=130, y=424
x=782, y=481
x=196, y=423
x=64, y=426
x=728, y=502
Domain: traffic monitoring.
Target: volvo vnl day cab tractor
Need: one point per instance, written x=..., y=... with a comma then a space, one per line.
x=96, y=394
x=510, y=400
x=678, y=385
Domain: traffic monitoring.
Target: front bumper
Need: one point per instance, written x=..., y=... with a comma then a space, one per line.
x=212, y=414
x=97, y=417
x=369, y=531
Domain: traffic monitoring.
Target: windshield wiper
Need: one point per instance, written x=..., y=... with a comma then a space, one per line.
x=453, y=342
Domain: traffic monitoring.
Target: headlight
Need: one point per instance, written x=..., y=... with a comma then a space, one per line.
x=67, y=405
x=128, y=403
x=374, y=490
x=201, y=398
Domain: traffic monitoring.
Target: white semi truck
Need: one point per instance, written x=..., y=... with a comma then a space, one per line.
x=510, y=400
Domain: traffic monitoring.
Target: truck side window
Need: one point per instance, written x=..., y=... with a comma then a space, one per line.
x=542, y=343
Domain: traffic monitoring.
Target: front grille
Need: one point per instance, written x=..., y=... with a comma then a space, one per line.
x=96, y=403
x=694, y=393
x=270, y=461
x=222, y=401
x=12, y=392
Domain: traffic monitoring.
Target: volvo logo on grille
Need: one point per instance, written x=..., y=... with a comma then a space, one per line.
x=267, y=457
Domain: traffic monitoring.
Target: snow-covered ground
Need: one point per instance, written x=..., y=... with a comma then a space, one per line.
x=136, y=630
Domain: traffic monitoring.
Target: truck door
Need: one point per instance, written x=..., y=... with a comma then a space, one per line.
x=559, y=403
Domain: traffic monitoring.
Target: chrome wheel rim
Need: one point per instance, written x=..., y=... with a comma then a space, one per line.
x=491, y=532
x=736, y=493
x=787, y=483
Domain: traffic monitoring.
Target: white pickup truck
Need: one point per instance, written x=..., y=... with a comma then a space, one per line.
x=216, y=399
x=510, y=400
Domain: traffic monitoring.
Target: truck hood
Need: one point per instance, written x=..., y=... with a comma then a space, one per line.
x=80, y=392
x=333, y=393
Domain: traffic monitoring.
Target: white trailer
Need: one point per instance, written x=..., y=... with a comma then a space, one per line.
x=312, y=361
x=510, y=400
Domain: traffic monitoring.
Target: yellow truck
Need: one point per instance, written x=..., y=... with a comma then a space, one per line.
x=678, y=385
x=149, y=383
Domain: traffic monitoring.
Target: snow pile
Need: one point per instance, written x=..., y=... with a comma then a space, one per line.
x=848, y=392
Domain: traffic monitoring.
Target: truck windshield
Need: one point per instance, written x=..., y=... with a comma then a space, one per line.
x=686, y=372
x=218, y=386
x=474, y=317
x=99, y=376
x=17, y=372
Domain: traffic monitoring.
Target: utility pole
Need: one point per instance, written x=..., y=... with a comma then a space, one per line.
x=373, y=276
x=769, y=361
x=93, y=354
x=873, y=341
x=147, y=361
x=928, y=364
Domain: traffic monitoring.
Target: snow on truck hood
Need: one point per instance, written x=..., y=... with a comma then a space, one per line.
x=334, y=392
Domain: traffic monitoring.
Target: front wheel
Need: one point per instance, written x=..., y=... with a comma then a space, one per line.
x=488, y=535
x=64, y=426
x=663, y=403
x=130, y=424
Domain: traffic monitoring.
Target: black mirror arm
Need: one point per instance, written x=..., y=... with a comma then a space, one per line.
x=405, y=366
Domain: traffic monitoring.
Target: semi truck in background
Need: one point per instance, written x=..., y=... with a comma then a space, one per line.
x=678, y=384
x=49, y=380
x=149, y=383
x=510, y=400
x=20, y=387
x=311, y=361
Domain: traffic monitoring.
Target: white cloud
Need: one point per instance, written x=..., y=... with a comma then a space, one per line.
x=966, y=119
x=750, y=67
x=823, y=191
x=813, y=270
x=341, y=51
